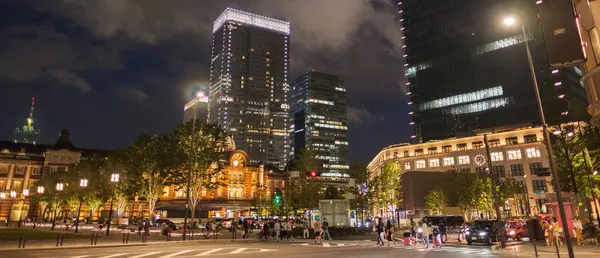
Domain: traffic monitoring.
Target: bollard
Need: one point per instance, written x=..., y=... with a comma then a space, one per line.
x=57, y=239
x=127, y=240
x=20, y=241
x=24, y=241
x=62, y=239
x=92, y=239
x=123, y=238
x=96, y=241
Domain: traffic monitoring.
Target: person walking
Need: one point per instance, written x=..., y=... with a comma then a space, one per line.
x=425, y=234
x=246, y=227
x=277, y=230
x=389, y=228
x=557, y=230
x=317, y=228
x=266, y=230
x=325, y=230
x=305, y=228
x=548, y=233
x=578, y=231
x=380, y=233
x=290, y=236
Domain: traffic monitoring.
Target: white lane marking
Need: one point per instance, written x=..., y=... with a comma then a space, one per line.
x=146, y=254
x=326, y=244
x=237, y=251
x=305, y=244
x=175, y=254
x=114, y=255
x=209, y=252
x=265, y=250
x=81, y=256
x=341, y=244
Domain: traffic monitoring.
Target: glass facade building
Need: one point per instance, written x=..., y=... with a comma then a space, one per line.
x=249, y=88
x=319, y=121
x=467, y=72
x=197, y=107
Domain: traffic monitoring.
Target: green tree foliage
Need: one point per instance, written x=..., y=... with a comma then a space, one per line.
x=260, y=199
x=304, y=194
x=474, y=194
x=332, y=192
x=306, y=161
x=386, y=187
x=436, y=200
x=196, y=149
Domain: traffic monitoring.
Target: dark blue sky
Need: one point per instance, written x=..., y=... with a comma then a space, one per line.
x=112, y=70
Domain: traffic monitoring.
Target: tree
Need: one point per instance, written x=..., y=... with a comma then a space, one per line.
x=304, y=194
x=260, y=199
x=147, y=158
x=306, y=161
x=358, y=171
x=387, y=188
x=196, y=149
x=436, y=200
x=332, y=192
x=515, y=192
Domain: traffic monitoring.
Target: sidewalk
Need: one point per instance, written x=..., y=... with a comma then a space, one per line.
x=117, y=238
x=527, y=249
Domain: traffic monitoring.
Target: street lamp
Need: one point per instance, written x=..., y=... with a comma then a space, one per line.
x=25, y=194
x=114, y=178
x=40, y=191
x=59, y=188
x=509, y=21
x=13, y=194
x=83, y=183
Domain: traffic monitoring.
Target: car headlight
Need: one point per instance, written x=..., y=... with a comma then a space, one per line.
x=467, y=232
x=512, y=232
x=482, y=234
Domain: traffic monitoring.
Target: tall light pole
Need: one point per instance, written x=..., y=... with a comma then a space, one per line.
x=59, y=188
x=189, y=174
x=509, y=21
x=40, y=191
x=25, y=194
x=114, y=178
x=13, y=194
x=83, y=183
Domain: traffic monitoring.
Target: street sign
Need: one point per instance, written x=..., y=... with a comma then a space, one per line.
x=542, y=172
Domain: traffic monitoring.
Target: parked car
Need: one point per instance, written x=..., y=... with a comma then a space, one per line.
x=516, y=229
x=165, y=222
x=482, y=231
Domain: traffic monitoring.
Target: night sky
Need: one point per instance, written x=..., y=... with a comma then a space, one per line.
x=112, y=70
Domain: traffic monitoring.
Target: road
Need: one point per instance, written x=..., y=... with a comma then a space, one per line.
x=260, y=250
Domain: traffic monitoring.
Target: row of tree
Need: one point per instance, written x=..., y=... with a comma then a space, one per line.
x=145, y=168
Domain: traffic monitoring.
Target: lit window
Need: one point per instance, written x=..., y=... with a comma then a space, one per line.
x=514, y=154
x=463, y=98
x=420, y=163
x=497, y=156
x=407, y=165
x=479, y=106
x=449, y=161
x=500, y=44
x=464, y=160
x=533, y=153
x=434, y=163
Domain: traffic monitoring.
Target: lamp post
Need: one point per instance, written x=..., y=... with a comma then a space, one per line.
x=83, y=183
x=59, y=188
x=114, y=178
x=13, y=194
x=25, y=194
x=509, y=21
x=40, y=191
x=189, y=174
x=2, y=197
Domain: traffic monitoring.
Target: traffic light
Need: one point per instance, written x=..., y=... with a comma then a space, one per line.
x=561, y=33
x=277, y=199
x=313, y=173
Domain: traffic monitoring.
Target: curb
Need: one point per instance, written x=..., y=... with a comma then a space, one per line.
x=123, y=245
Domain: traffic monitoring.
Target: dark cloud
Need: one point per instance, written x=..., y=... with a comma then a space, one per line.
x=140, y=60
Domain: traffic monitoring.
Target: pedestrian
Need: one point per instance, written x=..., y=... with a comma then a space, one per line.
x=290, y=236
x=380, y=233
x=442, y=228
x=326, y=230
x=425, y=234
x=389, y=228
x=548, y=233
x=558, y=231
x=317, y=228
x=246, y=227
x=284, y=232
x=578, y=231
x=305, y=228
x=590, y=230
x=277, y=229
x=413, y=233
x=266, y=230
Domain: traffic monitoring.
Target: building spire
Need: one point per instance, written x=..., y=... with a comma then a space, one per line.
x=30, y=118
x=27, y=133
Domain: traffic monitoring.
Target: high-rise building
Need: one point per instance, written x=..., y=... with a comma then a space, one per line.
x=27, y=133
x=249, y=83
x=467, y=72
x=196, y=108
x=320, y=123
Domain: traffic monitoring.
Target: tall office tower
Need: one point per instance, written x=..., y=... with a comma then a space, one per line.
x=320, y=123
x=468, y=72
x=27, y=133
x=197, y=107
x=249, y=83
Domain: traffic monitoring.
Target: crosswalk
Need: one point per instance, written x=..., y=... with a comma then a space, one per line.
x=180, y=253
x=369, y=244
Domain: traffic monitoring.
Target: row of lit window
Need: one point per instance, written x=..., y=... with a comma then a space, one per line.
x=479, y=106
x=339, y=127
x=466, y=160
x=326, y=102
x=463, y=98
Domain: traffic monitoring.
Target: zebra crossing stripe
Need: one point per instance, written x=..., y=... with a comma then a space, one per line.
x=114, y=255
x=176, y=254
x=146, y=254
x=326, y=244
x=209, y=252
x=237, y=251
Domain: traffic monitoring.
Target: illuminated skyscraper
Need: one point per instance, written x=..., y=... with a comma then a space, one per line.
x=249, y=83
x=467, y=72
x=27, y=133
x=197, y=107
x=320, y=123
